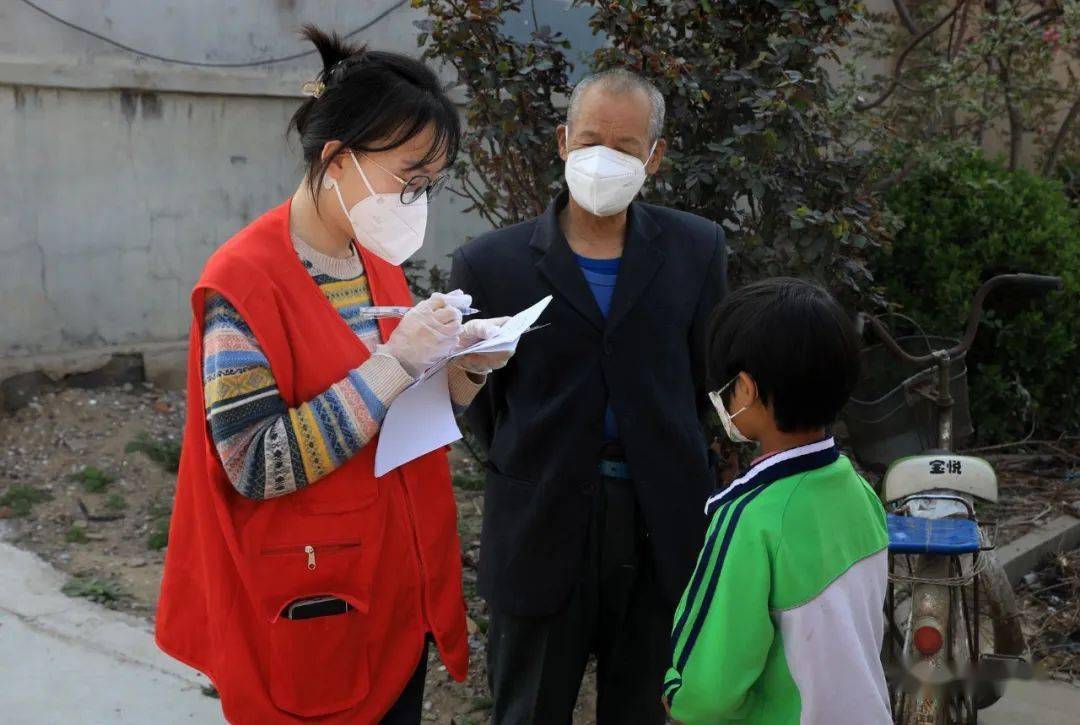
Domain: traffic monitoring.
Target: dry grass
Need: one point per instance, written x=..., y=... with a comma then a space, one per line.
x=1050, y=603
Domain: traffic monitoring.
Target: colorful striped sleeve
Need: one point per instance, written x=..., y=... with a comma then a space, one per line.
x=722, y=631
x=463, y=388
x=267, y=448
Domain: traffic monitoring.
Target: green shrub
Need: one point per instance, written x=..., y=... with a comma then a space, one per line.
x=1068, y=172
x=163, y=451
x=468, y=481
x=159, y=536
x=159, y=515
x=967, y=218
x=76, y=535
x=115, y=502
x=93, y=480
x=96, y=590
x=22, y=497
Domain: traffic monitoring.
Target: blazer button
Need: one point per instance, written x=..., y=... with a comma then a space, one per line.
x=609, y=349
x=588, y=488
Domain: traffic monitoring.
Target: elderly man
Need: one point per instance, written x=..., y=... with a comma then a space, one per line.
x=598, y=466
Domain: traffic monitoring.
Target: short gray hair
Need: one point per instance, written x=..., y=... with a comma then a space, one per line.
x=621, y=80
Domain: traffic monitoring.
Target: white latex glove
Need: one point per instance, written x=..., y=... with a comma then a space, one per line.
x=427, y=333
x=482, y=363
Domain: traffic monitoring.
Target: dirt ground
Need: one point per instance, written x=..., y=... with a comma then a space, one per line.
x=85, y=482
x=73, y=494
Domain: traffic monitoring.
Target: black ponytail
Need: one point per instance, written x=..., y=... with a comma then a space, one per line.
x=371, y=101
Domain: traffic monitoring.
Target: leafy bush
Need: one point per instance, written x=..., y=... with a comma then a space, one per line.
x=1068, y=172
x=93, y=479
x=96, y=590
x=159, y=535
x=76, y=535
x=163, y=451
x=21, y=498
x=468, y=477
x=423, y=280
x=115, y=502
x=159, y=514
x=506, y=170
x=754, y=144
x=967, y=218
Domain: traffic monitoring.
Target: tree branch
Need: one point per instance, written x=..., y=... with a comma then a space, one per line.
x=1044, y=15
x=1016, y=119
x=980, y=126
x=905, y=17
x=887, y=182
x=898, y=68
x=1059, y=138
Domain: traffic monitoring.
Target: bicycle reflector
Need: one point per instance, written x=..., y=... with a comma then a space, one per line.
x=928, y=639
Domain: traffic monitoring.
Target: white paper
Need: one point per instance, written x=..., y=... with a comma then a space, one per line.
x=421, y=419
x=510, y=332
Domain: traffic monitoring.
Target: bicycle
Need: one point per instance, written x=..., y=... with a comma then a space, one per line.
x=952, y=629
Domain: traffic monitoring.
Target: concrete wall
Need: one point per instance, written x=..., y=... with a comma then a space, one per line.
x=122, y=174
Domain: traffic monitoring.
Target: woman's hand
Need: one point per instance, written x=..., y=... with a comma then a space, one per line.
x=482, y=363
x=427, y=333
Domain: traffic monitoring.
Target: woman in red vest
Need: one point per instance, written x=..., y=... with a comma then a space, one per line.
x=303, y=586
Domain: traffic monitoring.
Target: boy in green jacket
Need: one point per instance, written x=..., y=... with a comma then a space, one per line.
x=783, y=619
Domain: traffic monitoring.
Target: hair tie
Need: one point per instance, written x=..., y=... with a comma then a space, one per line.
x=333, y=74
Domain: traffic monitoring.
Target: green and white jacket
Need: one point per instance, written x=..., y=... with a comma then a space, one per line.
x=782, y=621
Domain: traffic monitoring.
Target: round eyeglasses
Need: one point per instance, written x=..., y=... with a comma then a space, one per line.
x=415, y=187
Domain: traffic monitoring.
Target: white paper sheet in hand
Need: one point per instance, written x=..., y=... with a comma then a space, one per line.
x=510, y=332
x=421, y=419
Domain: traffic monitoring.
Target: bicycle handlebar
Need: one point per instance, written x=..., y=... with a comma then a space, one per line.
x=1034, y=282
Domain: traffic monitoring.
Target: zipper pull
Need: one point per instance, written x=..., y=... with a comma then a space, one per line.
x=310, y=551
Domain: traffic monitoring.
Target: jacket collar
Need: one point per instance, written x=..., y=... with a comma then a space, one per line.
x=642, y=258
x=779, y=465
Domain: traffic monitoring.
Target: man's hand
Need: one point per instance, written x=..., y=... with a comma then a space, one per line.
x=482, y=363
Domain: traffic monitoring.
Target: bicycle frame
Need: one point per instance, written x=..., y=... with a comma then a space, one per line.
x=939, y=583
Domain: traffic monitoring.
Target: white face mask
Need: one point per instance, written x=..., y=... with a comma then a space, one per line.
x=383, y=225
x=604, y=181
x=730, y=428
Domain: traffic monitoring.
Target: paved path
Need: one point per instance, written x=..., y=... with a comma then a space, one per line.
x=1035, y=703
x=66, y=660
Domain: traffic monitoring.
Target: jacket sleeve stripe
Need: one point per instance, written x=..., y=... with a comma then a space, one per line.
x=700, y=571
x=714, y=576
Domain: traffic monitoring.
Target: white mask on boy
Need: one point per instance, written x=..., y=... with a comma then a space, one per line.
x=730, y=428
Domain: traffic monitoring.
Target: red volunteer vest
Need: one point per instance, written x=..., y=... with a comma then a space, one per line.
x=387, y=545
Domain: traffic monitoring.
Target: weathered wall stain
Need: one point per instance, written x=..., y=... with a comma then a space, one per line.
x=128, y=104
x=151, y=105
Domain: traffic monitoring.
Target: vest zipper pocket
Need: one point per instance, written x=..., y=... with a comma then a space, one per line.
x=310, y=551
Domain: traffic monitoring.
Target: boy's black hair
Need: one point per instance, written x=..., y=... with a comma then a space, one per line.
x=372, y=101
x=797, y=344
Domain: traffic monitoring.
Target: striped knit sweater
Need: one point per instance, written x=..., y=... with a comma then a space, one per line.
x=269, y=449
